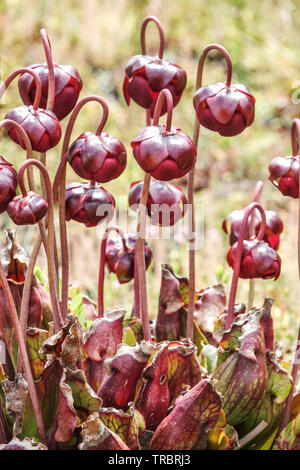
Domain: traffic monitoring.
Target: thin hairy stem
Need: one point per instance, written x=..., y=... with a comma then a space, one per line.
x=51, y=80
x=256, y=196
x=238, y=256
x=295, y=136
x=57, y=318
x=190, y=189
x=107, y=231
x=161, y=35
x=60, y=183
x=165, y=95
x=37, y=80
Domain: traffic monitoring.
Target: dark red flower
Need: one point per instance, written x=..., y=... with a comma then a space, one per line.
x=41, y=126
x=88, y=204
x=101, y=158
x=258, y=260
x=68, y=85
x=27, y=210
x=121, y=262
x=227, y=110
x=166, y=202
x=146, y=76
x=284, y=174
x=274, y=227
x=164, y=155
x=8, y=183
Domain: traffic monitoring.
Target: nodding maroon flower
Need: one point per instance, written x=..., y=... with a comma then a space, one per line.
x=166, y=202
x=89, y=204
x=259, y=260
x=284, y=174
x=8, y=183
x=147, y=76
x=97, y=157
x=120, y=261
x=68, y=85
x=274, y=227
x=164, y=155
x=41, y=126
x=227, y=110
x=27, y=210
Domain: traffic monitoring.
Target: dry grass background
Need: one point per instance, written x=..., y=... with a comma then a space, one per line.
x=98, y=37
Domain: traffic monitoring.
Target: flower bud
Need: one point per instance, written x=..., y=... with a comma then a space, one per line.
x=8, y=183
x=88, y=204
x=259, y=260
x=101, y=158
x=166, y=202
x=27, y=210
x=227, y=110
x=284, y=174
x=68, y=85
x=165, y=155
x=41, y=126
x=121, y=262
x=147, y=76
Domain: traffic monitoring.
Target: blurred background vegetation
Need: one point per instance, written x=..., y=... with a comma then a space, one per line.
x=98, y=37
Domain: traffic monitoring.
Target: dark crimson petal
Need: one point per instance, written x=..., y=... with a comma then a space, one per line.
x=139, y=91
x=160, y=73
x=180, y=79
x=207, y=119
x=246, y=105
x=125, y=90
x=181, y=149
x=92, y=154
x=206, y=92
x=242, y=88
x=280, y=166
x=152, y=152
x=136, y=62
x=234, y=127
x=147, y=133
x=289, y=187
x=263, y=256
x=248, y=269
x=114, y=147
x=274, y=222
x=223, y=104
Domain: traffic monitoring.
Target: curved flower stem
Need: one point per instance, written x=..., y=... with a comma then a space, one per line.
x=102, y=264
x=238, y=256
x=27, y=288
x=256, y=195
x=161, y=35
x=9, y=123
x=190, y=190
x=165, y=95
x=24, y=356
x=48, y=53
x=20, y=71
x=60, y=183
x=295, y=135
x=57, y=318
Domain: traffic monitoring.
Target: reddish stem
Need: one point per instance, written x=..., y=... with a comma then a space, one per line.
x=24, y=356
x=57, y=318
x=102, y=264
x=191, y=177
x=60, y=182
x=165, y=95
x=4, y=431
x=20, y=71
x=295, y=135
x=161, y=35
x=238, y=256
x=51, y=80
